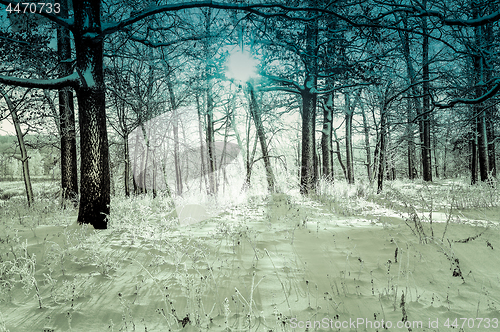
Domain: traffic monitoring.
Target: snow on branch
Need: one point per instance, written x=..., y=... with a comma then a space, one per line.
x=70, y=80
x=493, y=91
x=420, y=12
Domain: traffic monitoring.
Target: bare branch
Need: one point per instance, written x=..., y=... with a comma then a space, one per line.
x=420, y=12
x=493, y=91
x=71, y=80
x=113, y=27
x=166, y=44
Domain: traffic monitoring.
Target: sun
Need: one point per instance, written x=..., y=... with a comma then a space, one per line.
x=241, y=66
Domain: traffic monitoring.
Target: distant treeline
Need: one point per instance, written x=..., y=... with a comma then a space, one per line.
x=42, y=161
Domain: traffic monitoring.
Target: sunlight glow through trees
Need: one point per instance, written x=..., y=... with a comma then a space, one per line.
x=241, y=66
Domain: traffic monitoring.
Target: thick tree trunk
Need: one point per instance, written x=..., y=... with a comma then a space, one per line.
x=95, y=181
x=255, y=112
x=69, y=177
x=413, y=104
x=307, y=172
x=326, y=140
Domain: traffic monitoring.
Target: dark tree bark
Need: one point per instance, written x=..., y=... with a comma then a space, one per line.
x=382, y=151
x=480, y=109
x=491, y=110
x=95, y=182
x=339, y=155
x=425, y=116
x=209, y=116
x=309, y=97
x=256, y=115
x=390, y=163
x=412, y=170
x=126, y=172
x=435, y=153
x=326, y=139
x=349, y=113
x=69, y=177
x=210, y=141
x=490, y=128
x=414, y=105
x=473, y=150
x=307, y=173
x=482, y=141
x=366, y=130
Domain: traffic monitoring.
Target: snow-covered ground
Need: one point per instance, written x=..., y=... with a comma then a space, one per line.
x=346, y=260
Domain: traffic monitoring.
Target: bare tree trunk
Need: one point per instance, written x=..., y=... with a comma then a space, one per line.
x=445, y=156
x=223, y=157
x=482, y=146
x=22, y=147
x=249, y=157
x=382, y=149
x=366, y=130
x=95, y=182
x=210, y=141
x=479, y=109
x=376, y=153
x=473, y=148
x=175, y=122
x=412, y=104
x=255, y=112
x=203, y=173
x=412, y=170
x=326, y=139
x=425, y=116
x=309, y=96
x=69, y=177
x=339, y=155
x=391, y=170
x=435, y=152
x=490, y=111
x=491, y=142
x=348, y=139
x=126, y=172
